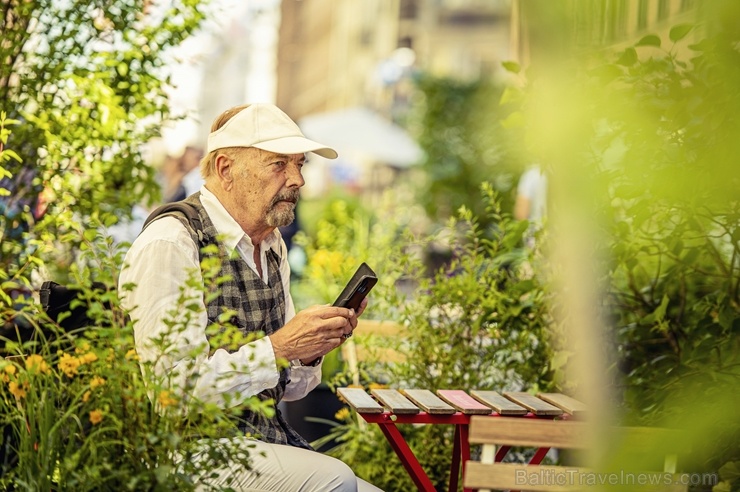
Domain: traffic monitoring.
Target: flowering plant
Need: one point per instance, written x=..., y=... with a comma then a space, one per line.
x=79, y=411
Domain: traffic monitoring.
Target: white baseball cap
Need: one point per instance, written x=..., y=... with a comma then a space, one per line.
x=265, y=127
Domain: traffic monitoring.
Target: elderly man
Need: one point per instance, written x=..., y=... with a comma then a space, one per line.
x=252, y=174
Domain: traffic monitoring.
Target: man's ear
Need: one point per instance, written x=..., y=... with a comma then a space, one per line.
x=224, y=166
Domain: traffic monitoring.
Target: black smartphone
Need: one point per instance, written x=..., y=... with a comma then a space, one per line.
x=357, y=288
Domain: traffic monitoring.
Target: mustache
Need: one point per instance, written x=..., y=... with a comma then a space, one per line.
x=289, y=196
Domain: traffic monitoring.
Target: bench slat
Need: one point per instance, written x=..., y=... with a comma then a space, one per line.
x=501, y=405
x=545, y=478
x=395, y=401
x=566, y=434
x=533, y=404
x=463, y=402
x=359, y=400
x=508, y=476
x=428, y=401
x=565, y=403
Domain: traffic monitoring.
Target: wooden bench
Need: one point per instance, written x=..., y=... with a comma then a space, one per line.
x=491, y=474
x=390, y=407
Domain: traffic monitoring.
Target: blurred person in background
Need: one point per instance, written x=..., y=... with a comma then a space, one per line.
x=171, y=175
x=252, y=173
x=531, y=200
x=190, y=160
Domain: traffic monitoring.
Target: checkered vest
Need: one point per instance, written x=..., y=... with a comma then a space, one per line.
x=258, y=308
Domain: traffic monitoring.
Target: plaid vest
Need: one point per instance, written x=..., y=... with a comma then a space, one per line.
x=257, y=308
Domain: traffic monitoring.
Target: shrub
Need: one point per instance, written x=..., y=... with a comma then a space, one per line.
x=479, y=322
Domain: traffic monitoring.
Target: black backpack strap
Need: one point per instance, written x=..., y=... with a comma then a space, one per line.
x=182, y=208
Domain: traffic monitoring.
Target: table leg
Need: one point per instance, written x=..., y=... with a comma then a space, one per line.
x=460, y=455
x=409, y=461
x=455, y=466
x=501, y=453
x=539, y=455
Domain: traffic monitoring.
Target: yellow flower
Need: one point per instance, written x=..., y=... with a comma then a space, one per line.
x=96, y=416
x=96, y=381
x=325, y=261
x=68, y=364
x=131, y=355
x=16, y=390
x=35, y=363
x=342, y=414
x=86, y=396
x=88, y=358
x=373, y=386
x=8, y=370
x=165, y=399
x=84, y=347
x=320, y=258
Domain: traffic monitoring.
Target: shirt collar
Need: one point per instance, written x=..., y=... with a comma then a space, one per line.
x=228, y=228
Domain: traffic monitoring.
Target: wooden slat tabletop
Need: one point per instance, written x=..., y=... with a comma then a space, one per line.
x=448, y=402
x=564, y=402
x=428, y=401
x=533, y=404
x=358, y=399
x=463, y=402
x=501, y=405
x=395, y=401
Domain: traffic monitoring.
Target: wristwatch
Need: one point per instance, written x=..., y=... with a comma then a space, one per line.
x=315, y=363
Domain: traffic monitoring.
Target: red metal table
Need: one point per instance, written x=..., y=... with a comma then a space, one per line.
x=389, y=408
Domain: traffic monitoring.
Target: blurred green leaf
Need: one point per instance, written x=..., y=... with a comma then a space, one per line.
x=628, y=58
x=606, y=73
x=649, y=40
x=730, y=471
x=511, y=66
x=679, y=32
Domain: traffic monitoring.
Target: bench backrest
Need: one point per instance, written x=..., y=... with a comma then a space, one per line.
x=507, y=431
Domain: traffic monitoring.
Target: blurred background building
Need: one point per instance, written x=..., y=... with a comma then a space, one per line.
x=338, y=53
x=345, y=69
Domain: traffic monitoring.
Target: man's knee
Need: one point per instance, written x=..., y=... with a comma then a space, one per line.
x=340, y=476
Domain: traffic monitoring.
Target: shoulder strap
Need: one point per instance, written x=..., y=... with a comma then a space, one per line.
x=182, y=208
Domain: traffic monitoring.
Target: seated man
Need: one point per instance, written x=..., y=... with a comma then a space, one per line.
x=252, y=173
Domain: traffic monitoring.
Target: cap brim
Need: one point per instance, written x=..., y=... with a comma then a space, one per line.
x=296, y=145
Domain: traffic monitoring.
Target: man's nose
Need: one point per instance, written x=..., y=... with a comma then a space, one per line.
x=294, y=176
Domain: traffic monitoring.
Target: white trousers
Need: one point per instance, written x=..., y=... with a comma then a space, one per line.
x=280, y=468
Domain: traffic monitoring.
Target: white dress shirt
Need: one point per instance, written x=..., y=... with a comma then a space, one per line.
x=159, y=263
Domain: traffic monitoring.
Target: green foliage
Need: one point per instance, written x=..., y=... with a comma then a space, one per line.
x=454, y=126
x=674, y=282
x=83, y=86
x=481, y=321
x=345, y=236
x=80, y=411
x=642, y=146
x=85, y=82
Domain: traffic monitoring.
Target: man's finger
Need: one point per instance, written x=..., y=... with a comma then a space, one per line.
x=335, y=311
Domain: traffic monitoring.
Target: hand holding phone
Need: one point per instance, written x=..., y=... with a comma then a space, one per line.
x=357, y=288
